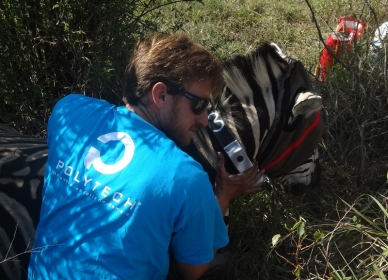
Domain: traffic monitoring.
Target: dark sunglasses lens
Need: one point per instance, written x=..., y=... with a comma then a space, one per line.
x=199, y=106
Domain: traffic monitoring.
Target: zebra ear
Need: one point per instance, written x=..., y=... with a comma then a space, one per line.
x=306, y=103
x=278, y=50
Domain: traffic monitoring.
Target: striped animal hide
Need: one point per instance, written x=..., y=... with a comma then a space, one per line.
x=268, y=106
x=22, y=165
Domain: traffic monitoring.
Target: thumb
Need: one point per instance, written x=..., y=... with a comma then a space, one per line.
x=221, y=162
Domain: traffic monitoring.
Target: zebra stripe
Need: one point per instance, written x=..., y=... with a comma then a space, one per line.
x=245, y=96
x=22, y=165
x=305, y=174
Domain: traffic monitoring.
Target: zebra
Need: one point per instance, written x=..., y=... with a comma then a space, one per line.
x=267, y=105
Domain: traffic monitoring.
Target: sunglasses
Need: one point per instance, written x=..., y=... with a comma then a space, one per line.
x=198, y=104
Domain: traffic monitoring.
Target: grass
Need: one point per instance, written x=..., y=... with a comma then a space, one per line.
x=337, y=231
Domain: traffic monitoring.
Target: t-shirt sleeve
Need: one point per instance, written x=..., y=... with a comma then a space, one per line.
x=68, y=113
x=63, y=109
x=200, y=225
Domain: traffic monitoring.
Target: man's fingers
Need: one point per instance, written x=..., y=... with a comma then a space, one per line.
x=221, y=161
x=243, y=182
x=261, y=173
x=255, y=179
x=253, y=169
x=252, y=174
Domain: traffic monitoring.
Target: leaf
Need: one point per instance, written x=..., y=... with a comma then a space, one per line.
x=275, y=239
x=297, y=271
x=296, y=225
x=301, y=229
x=318, y=235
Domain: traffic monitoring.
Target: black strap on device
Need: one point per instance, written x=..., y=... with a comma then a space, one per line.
x=231, y=146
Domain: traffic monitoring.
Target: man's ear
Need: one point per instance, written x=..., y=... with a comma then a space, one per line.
x=159, y=94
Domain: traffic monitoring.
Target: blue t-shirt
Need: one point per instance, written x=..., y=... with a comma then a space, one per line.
x=119, y=197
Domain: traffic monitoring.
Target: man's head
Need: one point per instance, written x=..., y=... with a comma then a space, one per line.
x=174, y=58
x=174, y=77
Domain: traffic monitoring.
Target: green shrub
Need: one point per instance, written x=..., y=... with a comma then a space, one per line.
x=50, y=48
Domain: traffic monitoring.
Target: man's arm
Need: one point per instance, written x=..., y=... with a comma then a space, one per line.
x=192, y=272
x=228, y=186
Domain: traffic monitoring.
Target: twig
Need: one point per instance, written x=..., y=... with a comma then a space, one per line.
x=323, y=41
x=34, y=250
x=13, y=238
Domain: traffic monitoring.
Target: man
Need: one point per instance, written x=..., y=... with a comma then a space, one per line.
x=120, y=198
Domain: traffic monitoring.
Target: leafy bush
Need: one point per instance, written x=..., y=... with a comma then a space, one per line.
x=50, y=48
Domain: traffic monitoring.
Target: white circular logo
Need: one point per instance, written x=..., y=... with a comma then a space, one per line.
x=93, y=156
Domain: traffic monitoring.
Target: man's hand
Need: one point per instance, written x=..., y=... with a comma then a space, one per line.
x=229, y=186
x=192, y=272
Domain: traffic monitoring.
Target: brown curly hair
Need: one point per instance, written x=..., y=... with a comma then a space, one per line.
x=176, y=58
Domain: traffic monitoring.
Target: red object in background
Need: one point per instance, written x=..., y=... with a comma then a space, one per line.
x=348, y=31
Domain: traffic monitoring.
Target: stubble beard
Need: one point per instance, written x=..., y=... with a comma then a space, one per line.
x=174, y=129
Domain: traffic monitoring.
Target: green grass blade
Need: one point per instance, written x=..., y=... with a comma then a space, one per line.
x=366, y=219
x=380, y=206
x=347, y=264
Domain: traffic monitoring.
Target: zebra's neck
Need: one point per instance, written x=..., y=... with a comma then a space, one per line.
x=249, y=102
